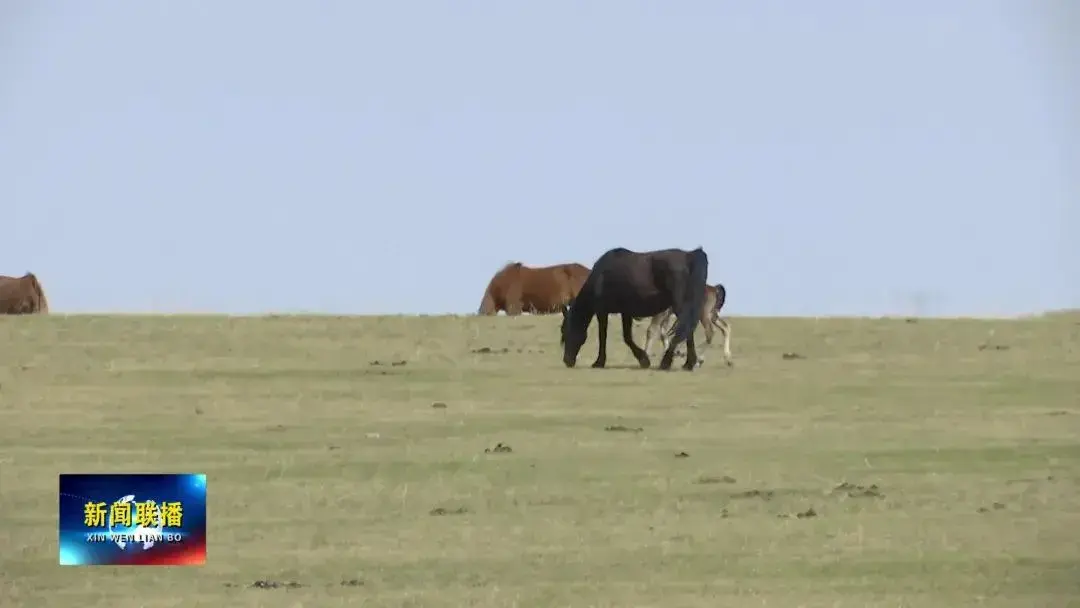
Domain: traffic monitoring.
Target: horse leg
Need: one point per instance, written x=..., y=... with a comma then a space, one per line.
x=513, y=307
x=677, y=287
x=641, y=355
x=601, y=357
x=708, y=336
x=515, y=301
x=691, y=355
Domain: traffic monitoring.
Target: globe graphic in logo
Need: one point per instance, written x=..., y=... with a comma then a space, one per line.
x=147, y=534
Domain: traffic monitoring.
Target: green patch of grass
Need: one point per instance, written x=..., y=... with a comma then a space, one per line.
x=986, y=459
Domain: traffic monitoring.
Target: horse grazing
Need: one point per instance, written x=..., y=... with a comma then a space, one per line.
x=638, y=285
x=710, y=321
x=518, y=288
x=22, y=295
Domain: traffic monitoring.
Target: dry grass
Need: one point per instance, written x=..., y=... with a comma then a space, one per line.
x=324, y=468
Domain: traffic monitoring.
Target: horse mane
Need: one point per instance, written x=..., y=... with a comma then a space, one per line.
x=581, y=307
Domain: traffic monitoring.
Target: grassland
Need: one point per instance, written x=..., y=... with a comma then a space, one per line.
x=959, y=442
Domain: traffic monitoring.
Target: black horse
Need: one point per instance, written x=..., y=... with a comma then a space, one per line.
x=638, y=285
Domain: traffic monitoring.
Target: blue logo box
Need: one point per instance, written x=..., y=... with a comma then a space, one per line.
x=145, y=519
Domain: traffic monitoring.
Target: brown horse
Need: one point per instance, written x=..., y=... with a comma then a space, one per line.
x=518, y=288
x=22, y=295
x=715, y=295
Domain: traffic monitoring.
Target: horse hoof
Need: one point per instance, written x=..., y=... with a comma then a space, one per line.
x=598, y=365
x=645, y=363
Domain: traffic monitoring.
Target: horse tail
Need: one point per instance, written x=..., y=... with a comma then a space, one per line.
x=690, y=315
x=721, y=296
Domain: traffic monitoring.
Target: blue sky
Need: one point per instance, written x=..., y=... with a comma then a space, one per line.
x=352, y=156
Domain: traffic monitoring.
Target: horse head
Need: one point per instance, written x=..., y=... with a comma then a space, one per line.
x=572, y=334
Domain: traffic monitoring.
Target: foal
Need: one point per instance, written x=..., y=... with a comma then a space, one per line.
x=710, y=321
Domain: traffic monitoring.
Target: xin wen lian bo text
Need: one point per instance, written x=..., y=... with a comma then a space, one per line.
x=147, y=517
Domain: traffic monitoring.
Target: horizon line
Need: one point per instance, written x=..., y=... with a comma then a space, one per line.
x=1017, y=316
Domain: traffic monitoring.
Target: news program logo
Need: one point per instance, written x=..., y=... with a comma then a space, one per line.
x=132, y=519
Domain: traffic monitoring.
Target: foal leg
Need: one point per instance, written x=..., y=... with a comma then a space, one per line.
x=707, y=325
x=669, y=322
x=708, y=338
x=677, y=287
x=725, y=328
x=656, y=326
x=670, y=347
x=601, y=357
x=641, y=355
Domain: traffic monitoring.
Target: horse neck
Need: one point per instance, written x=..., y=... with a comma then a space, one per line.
x=583, y=309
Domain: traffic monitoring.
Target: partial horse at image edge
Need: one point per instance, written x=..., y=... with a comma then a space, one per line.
x=22, y=295
x=517, y=288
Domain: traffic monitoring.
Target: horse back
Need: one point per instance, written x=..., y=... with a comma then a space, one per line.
x=710, y=300
x=507, y=276
x=632, y=282
x=721, y=295
x=575, y=276
x=547, y=288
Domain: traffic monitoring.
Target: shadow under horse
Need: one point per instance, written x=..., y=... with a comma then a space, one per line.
x=637, y=285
